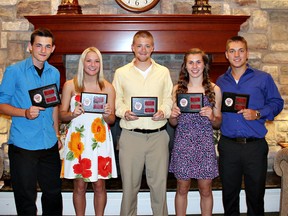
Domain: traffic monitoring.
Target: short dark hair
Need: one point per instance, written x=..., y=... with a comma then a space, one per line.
x=236, y=39
x=42, y=32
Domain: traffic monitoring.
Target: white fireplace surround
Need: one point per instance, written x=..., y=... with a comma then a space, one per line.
x=272, y=203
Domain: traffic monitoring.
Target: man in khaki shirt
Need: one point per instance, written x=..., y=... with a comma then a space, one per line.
x=144, y=140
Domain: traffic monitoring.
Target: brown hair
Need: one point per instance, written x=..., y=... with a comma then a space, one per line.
x=236, y=39
x=42, y=32
x=184, y=76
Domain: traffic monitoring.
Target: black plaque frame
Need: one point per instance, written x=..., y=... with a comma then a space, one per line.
x=45, y=96
x=187, y=104
x=233, y=102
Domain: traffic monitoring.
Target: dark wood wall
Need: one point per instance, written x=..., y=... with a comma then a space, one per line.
x=173, y=34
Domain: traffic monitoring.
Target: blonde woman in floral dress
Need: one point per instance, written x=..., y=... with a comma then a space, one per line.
x=88, y=152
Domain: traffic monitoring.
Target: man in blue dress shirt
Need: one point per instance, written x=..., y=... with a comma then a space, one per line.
x=33, y=144
x=242, y=148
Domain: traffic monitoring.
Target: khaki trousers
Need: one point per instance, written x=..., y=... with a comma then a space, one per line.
x=137, y=150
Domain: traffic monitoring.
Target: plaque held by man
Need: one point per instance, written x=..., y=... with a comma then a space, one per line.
x=144, y=106
x=233, y=102
x=45, y=96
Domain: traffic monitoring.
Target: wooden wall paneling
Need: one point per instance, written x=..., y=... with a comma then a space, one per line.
x=113, y=34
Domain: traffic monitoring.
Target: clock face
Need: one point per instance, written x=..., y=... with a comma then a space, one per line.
x=137, y=5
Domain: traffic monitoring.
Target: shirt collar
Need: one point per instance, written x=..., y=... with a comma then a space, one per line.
x=249, y=69
x=30, y=64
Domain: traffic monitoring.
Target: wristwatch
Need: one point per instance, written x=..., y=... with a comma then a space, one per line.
x=258, y=115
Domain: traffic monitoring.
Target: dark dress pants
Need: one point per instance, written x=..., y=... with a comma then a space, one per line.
x=29, y=167
x=247, y=161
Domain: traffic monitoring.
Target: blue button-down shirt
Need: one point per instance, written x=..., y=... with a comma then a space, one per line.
x=18, y=79
x=264, y=96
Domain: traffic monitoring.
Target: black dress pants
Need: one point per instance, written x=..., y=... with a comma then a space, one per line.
x=243, y=160
x=29, y=168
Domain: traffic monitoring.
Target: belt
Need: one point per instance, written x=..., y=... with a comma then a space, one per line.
x=146, y=131
x=242, y=139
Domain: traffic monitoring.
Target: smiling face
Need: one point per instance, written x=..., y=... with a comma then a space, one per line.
x=143, y=48
x=237, y=54
x=195, y=65
x=91, y=64
x=41, y=49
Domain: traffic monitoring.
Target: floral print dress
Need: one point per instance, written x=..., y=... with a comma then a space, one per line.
x=88, y=151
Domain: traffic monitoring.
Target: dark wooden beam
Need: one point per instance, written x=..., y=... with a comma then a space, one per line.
x=173, y=34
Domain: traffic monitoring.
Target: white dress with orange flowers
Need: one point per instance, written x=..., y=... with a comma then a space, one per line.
x=88, y=150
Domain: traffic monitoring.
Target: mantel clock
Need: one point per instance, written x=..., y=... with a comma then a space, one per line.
x=137, y=6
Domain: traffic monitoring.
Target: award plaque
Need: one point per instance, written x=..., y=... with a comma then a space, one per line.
x=46, y=96
x=232, y=102
x=190, y=102
x=93, y=102
x=144, y=106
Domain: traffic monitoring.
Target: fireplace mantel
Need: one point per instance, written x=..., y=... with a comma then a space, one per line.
x=173, y=34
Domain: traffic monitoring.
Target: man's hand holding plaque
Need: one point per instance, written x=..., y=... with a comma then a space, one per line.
x=144, y=106
x=46, y=96
x=190, y=102
x=93, y=102
x=233, y=102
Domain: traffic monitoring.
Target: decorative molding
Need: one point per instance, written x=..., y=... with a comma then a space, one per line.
x=173, y=34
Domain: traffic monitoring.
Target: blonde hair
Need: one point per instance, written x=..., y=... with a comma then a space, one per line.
x=143, y=34
x=79, y=78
